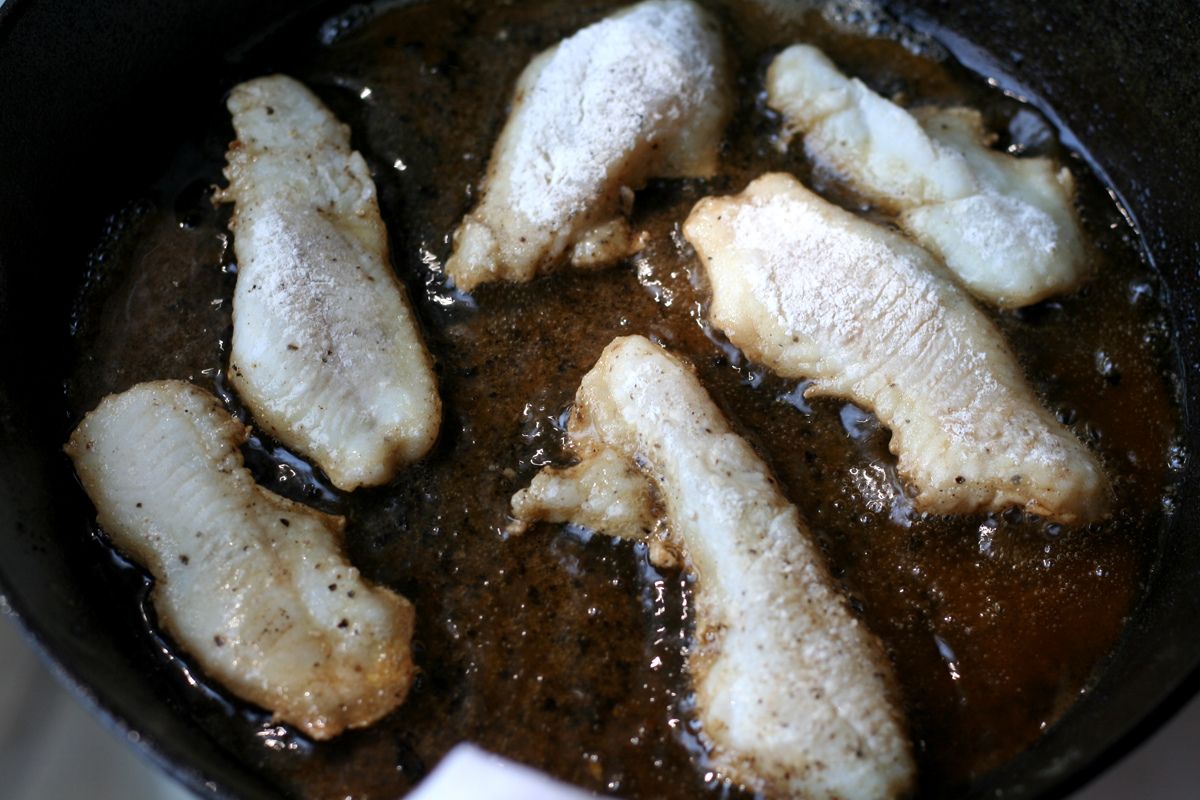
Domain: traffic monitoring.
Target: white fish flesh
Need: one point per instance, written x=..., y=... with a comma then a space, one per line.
x=640, y=94
x=795, y=696
x=253, y=586
x=1005, y=226
x=812, y=291
x=326, y=350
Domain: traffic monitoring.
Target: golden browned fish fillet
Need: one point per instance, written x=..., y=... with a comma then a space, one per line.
x=1005, y=226
x=251, y=585
x=794, y=694
x=326, y=350
x=813, y=291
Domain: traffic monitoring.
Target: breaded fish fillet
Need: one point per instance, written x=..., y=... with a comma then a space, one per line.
x=326, y=350
x=794, y=694
x=638, y=95
x=1005, y=226
x=251, y=585
x=813, y=291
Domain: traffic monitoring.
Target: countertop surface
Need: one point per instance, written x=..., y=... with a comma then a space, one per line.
x=43, y=728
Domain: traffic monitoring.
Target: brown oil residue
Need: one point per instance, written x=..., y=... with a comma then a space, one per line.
x=568, y=651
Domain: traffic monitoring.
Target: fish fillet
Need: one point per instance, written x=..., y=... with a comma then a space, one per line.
x=326, y=350
x=813, y=291
x=253, y=586
x=794, y=694
x=1005, y=226
x=638, y=95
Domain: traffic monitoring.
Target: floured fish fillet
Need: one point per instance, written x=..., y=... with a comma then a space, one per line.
x=638, y=95
x=603, y=492
x=794, y=694
x=813, y=291
x=253, y=586
x=1006, y=226
x=326, y=350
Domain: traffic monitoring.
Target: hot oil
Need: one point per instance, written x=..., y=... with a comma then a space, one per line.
x=566, y=650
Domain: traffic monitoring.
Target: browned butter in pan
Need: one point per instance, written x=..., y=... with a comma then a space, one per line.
x=566, y=650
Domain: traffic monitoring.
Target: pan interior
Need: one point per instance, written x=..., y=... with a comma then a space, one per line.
x=554, y=633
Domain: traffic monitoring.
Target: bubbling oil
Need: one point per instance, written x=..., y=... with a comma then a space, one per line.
x=567, y=650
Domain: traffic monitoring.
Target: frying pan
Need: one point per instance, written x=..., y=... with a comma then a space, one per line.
x=92, y=95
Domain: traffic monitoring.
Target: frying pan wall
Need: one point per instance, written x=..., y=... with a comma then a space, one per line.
x=92, y=95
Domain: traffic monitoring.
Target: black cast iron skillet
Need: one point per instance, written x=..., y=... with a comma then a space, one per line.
x=91, y=95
